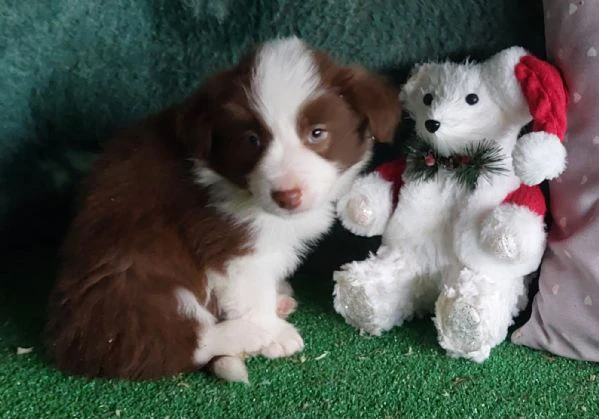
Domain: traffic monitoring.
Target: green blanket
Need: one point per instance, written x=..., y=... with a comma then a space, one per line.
x=73, y=71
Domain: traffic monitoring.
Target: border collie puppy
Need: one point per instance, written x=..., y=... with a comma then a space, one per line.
x=193, y=218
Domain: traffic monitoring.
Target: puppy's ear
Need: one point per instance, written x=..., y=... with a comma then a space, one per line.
x=193, y=126
x=195, y=115
x=374, y=97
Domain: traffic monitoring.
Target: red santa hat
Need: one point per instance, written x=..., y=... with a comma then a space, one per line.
x=540, y=154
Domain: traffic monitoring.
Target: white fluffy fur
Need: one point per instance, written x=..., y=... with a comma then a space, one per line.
x=513, y=233
x=381, y=292
x=363, y=219
x=462, y=254
x=498, y=75
x=285, y=77
x=474, y=311
x=539, y=156
x=247, y=289
x=231, y=368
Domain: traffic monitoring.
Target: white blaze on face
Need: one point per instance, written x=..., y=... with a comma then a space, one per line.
x=285, y=77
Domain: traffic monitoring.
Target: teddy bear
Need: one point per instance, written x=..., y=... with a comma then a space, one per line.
x=461, y=213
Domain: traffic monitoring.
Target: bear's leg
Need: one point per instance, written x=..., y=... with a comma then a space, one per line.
x=474, y=311
x=382, y=291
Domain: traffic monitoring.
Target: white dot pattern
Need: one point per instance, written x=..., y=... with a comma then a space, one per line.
x=568, y=254
x=572, y=9
x=555, y=289
x=565, y=318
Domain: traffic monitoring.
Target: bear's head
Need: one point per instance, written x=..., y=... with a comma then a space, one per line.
x=455, y=105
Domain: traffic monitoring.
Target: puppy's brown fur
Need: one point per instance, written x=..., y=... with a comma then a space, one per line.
x=145, y=226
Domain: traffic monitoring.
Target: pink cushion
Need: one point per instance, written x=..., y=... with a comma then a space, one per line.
x=565, y=312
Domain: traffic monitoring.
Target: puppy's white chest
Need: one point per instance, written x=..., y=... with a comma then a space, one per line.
x=249, y=283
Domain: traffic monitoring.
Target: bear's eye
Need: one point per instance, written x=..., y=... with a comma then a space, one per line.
x=427, y=99
x=472, y=99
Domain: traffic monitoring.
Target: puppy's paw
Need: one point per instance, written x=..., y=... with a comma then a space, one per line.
x=287, y=341
x=253, y=338
x=234, y=338
x=230, y=368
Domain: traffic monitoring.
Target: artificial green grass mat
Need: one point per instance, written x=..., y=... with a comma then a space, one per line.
x=340, y=374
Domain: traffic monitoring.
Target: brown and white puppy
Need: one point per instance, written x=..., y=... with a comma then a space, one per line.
x=194, y=217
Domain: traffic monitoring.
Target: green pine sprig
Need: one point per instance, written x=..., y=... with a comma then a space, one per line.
x=481, y=160
x=416, y=150
x=485, y=160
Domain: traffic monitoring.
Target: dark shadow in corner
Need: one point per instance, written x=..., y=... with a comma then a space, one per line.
x=43, y=176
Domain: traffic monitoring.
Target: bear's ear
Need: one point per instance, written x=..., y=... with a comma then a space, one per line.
x=498, y=74
x=414, y=79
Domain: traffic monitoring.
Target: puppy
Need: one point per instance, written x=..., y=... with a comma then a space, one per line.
x=194, y=217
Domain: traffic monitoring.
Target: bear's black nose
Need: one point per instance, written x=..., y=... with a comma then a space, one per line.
x=432, y=125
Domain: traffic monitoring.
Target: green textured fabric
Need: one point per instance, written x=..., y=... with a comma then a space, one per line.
x=73, y=71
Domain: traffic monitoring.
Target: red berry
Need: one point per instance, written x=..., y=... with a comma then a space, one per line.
x=429, y=160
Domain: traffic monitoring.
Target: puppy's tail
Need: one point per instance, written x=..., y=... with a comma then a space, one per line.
x=230, y=368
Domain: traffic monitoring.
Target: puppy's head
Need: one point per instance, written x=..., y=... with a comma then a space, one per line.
x=287, y=125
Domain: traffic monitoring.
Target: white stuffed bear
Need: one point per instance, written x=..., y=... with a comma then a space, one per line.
x=461, y=215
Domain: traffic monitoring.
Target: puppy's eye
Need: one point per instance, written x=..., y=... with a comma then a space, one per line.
x=252, y=139
x=472, y=99
x=318, y=135
x=427, y=99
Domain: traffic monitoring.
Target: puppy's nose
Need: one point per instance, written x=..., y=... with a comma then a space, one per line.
x=288, y=199
x=431, y=125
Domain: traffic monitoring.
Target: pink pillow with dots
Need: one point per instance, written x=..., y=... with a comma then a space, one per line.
x=565, y=311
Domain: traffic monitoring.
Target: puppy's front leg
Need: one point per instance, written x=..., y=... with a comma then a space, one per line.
x=286, y=339
x=257, y=298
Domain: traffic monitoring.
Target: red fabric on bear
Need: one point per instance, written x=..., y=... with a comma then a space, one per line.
x=528, y=196
x=392, y=171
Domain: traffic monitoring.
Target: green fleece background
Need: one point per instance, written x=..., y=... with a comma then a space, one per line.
x=73, y=71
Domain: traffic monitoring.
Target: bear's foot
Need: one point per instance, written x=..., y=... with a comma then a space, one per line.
x=474, y=311
x=376, y=294
x=461, y=332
